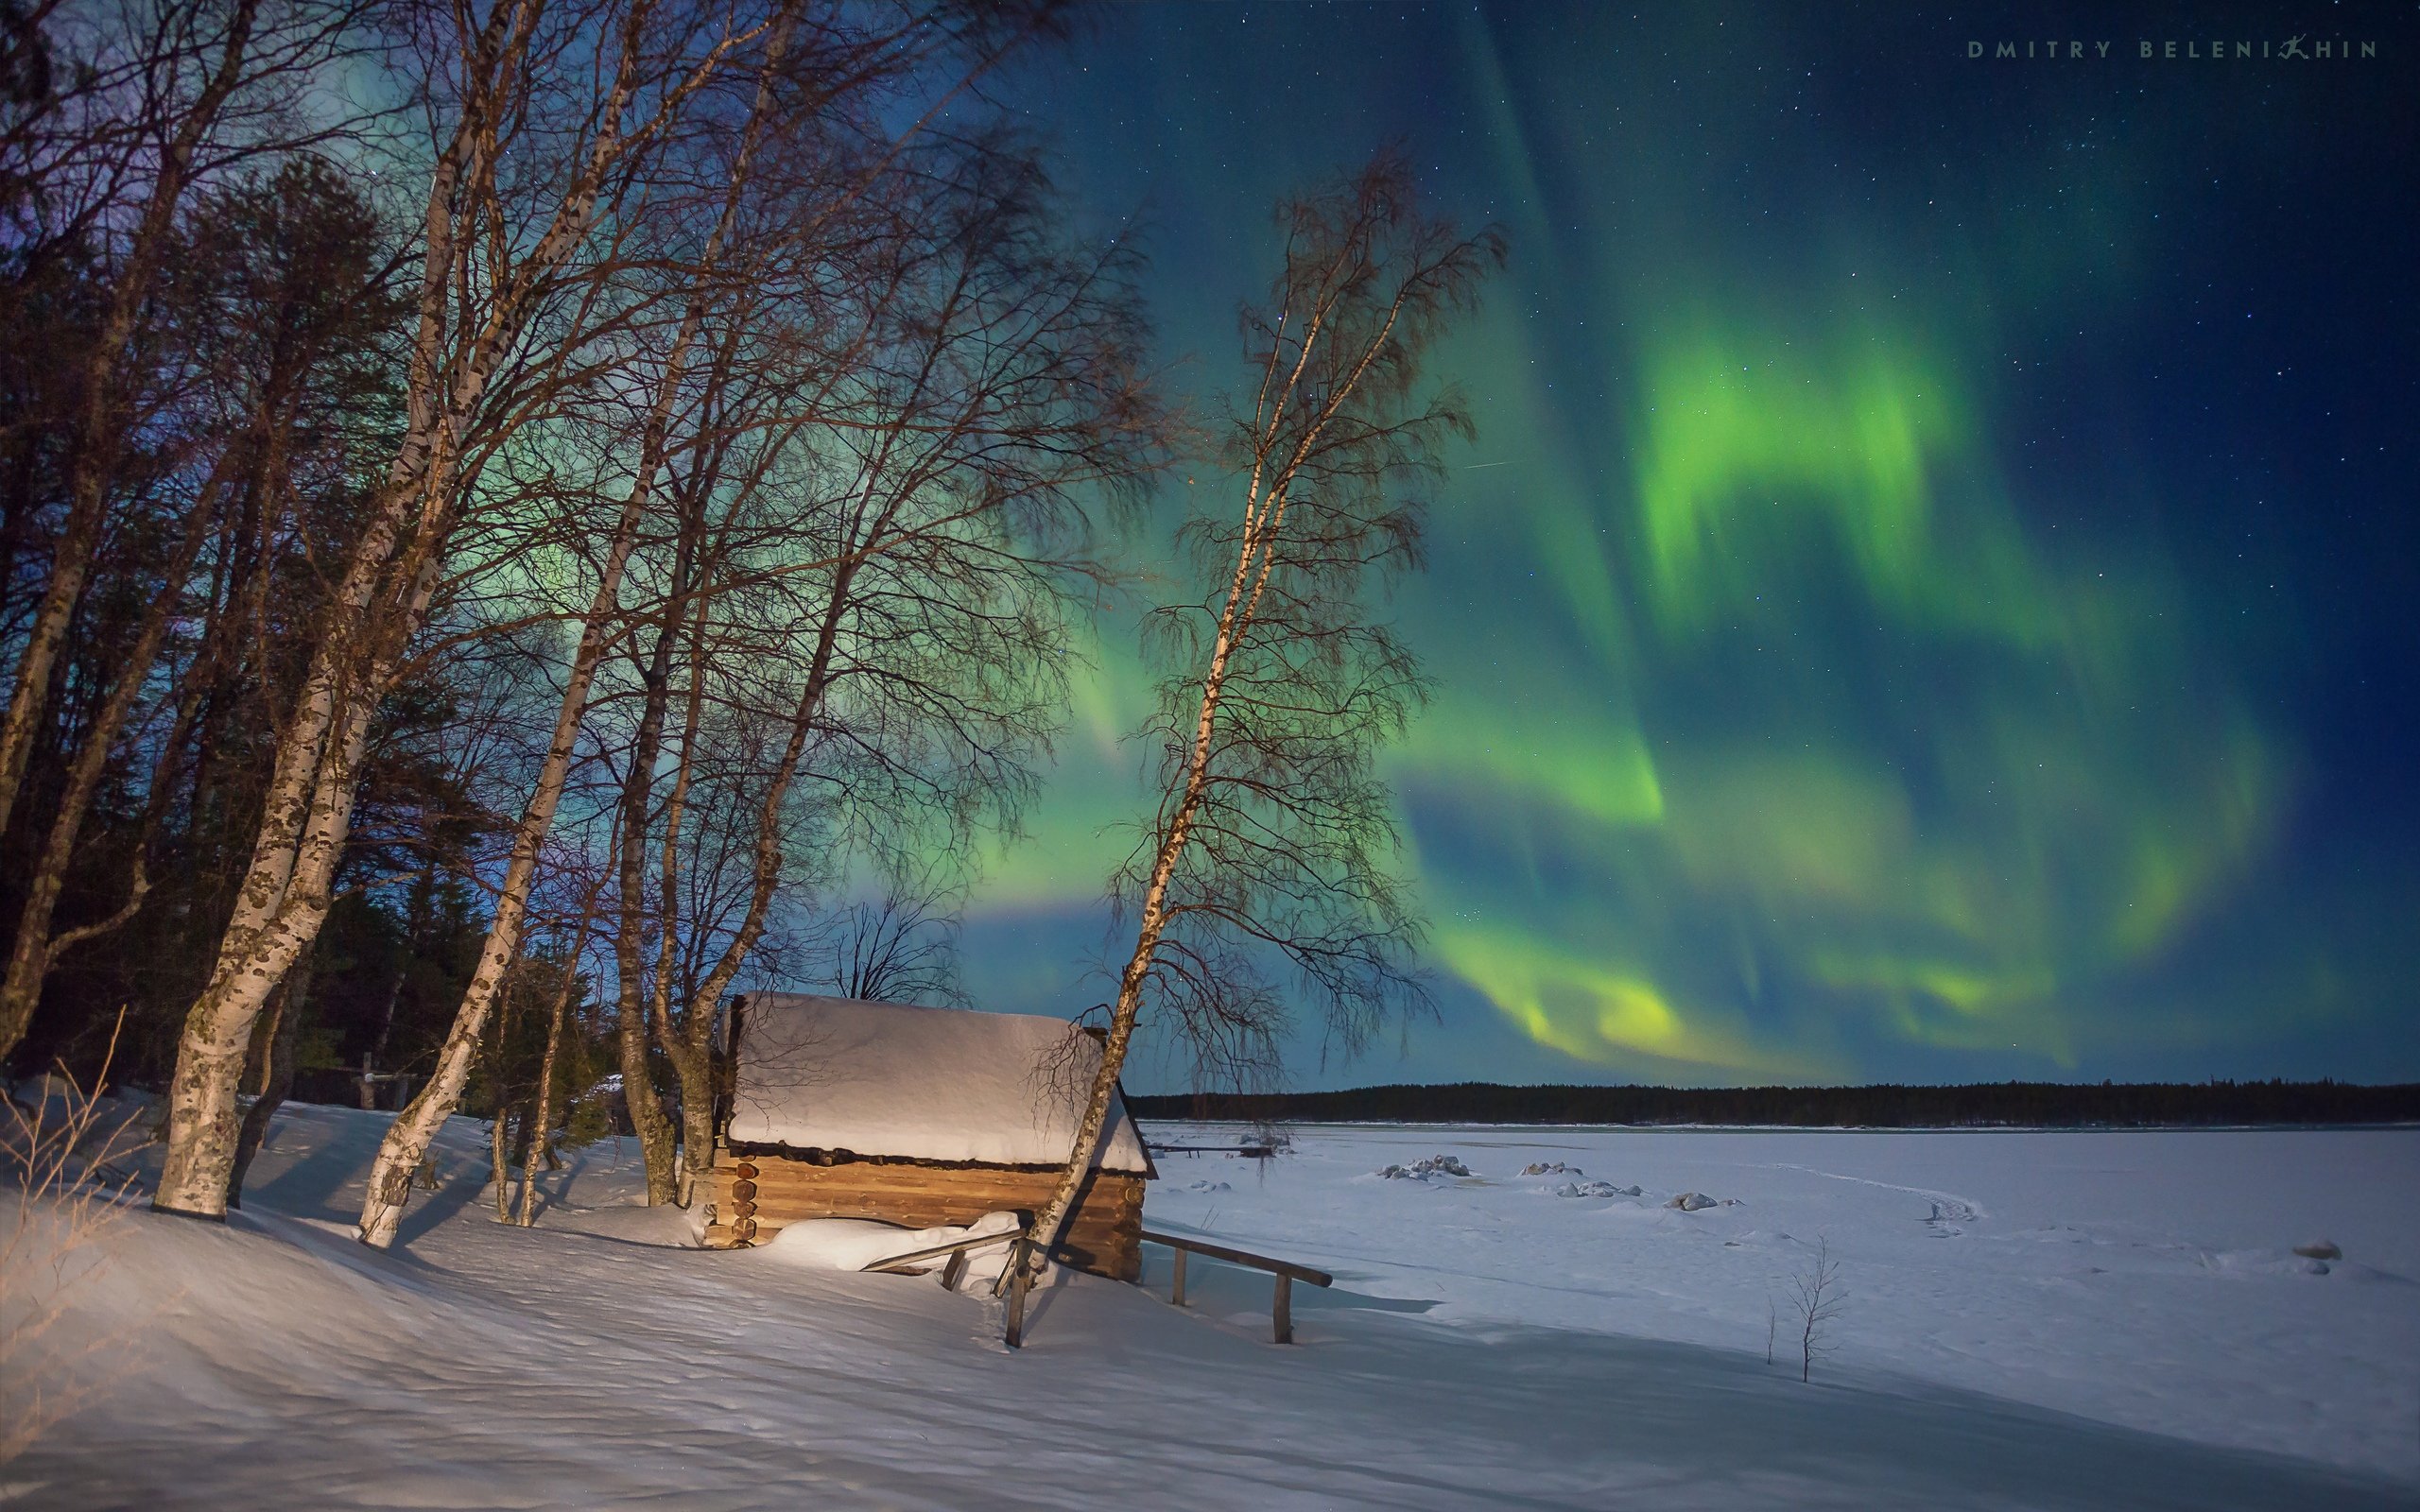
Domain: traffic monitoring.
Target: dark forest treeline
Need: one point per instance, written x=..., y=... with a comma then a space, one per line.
x=2020, y=1104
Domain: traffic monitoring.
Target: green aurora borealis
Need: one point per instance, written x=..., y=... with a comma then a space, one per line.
x=1851, y=649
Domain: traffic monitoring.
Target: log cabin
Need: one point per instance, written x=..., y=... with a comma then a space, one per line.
x=830, y=1108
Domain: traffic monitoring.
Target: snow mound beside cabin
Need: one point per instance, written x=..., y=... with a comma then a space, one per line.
x=854, y=1244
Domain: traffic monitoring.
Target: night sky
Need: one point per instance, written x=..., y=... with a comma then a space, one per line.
x=1933, y=596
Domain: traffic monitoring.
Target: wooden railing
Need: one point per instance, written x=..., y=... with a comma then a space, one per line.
x=1016, y=1279
x=1281, y=1302
x=956, y=1249
x=1255, y=1152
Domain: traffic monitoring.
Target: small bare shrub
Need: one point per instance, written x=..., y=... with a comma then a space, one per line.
x=62, y=1197
x=1817, y=1300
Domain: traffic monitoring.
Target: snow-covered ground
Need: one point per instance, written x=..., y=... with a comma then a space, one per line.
x=2033, y=1320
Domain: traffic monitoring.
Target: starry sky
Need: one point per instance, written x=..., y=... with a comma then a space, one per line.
x=1933, y=596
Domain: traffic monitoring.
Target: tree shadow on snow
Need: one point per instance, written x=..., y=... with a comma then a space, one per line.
x=429, y=1209
x=309, y=1187
x=326, y=1182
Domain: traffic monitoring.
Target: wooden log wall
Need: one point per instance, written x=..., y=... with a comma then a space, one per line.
x=769, y=1192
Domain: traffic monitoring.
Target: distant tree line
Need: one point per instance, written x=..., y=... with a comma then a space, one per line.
x=1991, y=1105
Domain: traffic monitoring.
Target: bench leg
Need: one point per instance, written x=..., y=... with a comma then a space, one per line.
x=1281, y=1310
x=1176, y=1295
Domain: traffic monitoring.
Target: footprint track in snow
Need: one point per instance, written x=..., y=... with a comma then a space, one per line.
x=1950, y=1212
x=1948, y=1216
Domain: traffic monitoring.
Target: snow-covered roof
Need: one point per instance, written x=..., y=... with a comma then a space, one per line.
x=928, y=1084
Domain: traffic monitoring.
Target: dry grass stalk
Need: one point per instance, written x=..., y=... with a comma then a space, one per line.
x=64, y=1197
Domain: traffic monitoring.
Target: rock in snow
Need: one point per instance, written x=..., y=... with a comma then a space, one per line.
x=1436, y=1165
x=1692, y=1202
x=1593, y=1189
x=2318, y=1249
x=1550, y=1168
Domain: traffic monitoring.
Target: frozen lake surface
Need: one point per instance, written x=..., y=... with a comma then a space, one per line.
x=2138, y=1278
x=2032, y=1320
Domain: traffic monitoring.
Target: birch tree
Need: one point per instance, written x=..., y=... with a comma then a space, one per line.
x=1273, y=837
x=407, y=1139
x=812, y=119
x=518, y=172
x=542, y=1101
x=1006, y=387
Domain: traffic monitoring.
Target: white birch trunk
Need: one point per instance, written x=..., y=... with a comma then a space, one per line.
x=285, y=899
x=691, y=1054
x=1263, y=519
x=201, y=1095
x=407, y=1139
x=280, y=910
x=1265, y=506
x=1266, y=491
x=541, y=1105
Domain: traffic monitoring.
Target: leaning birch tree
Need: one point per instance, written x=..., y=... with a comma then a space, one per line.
x=1273, y=838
